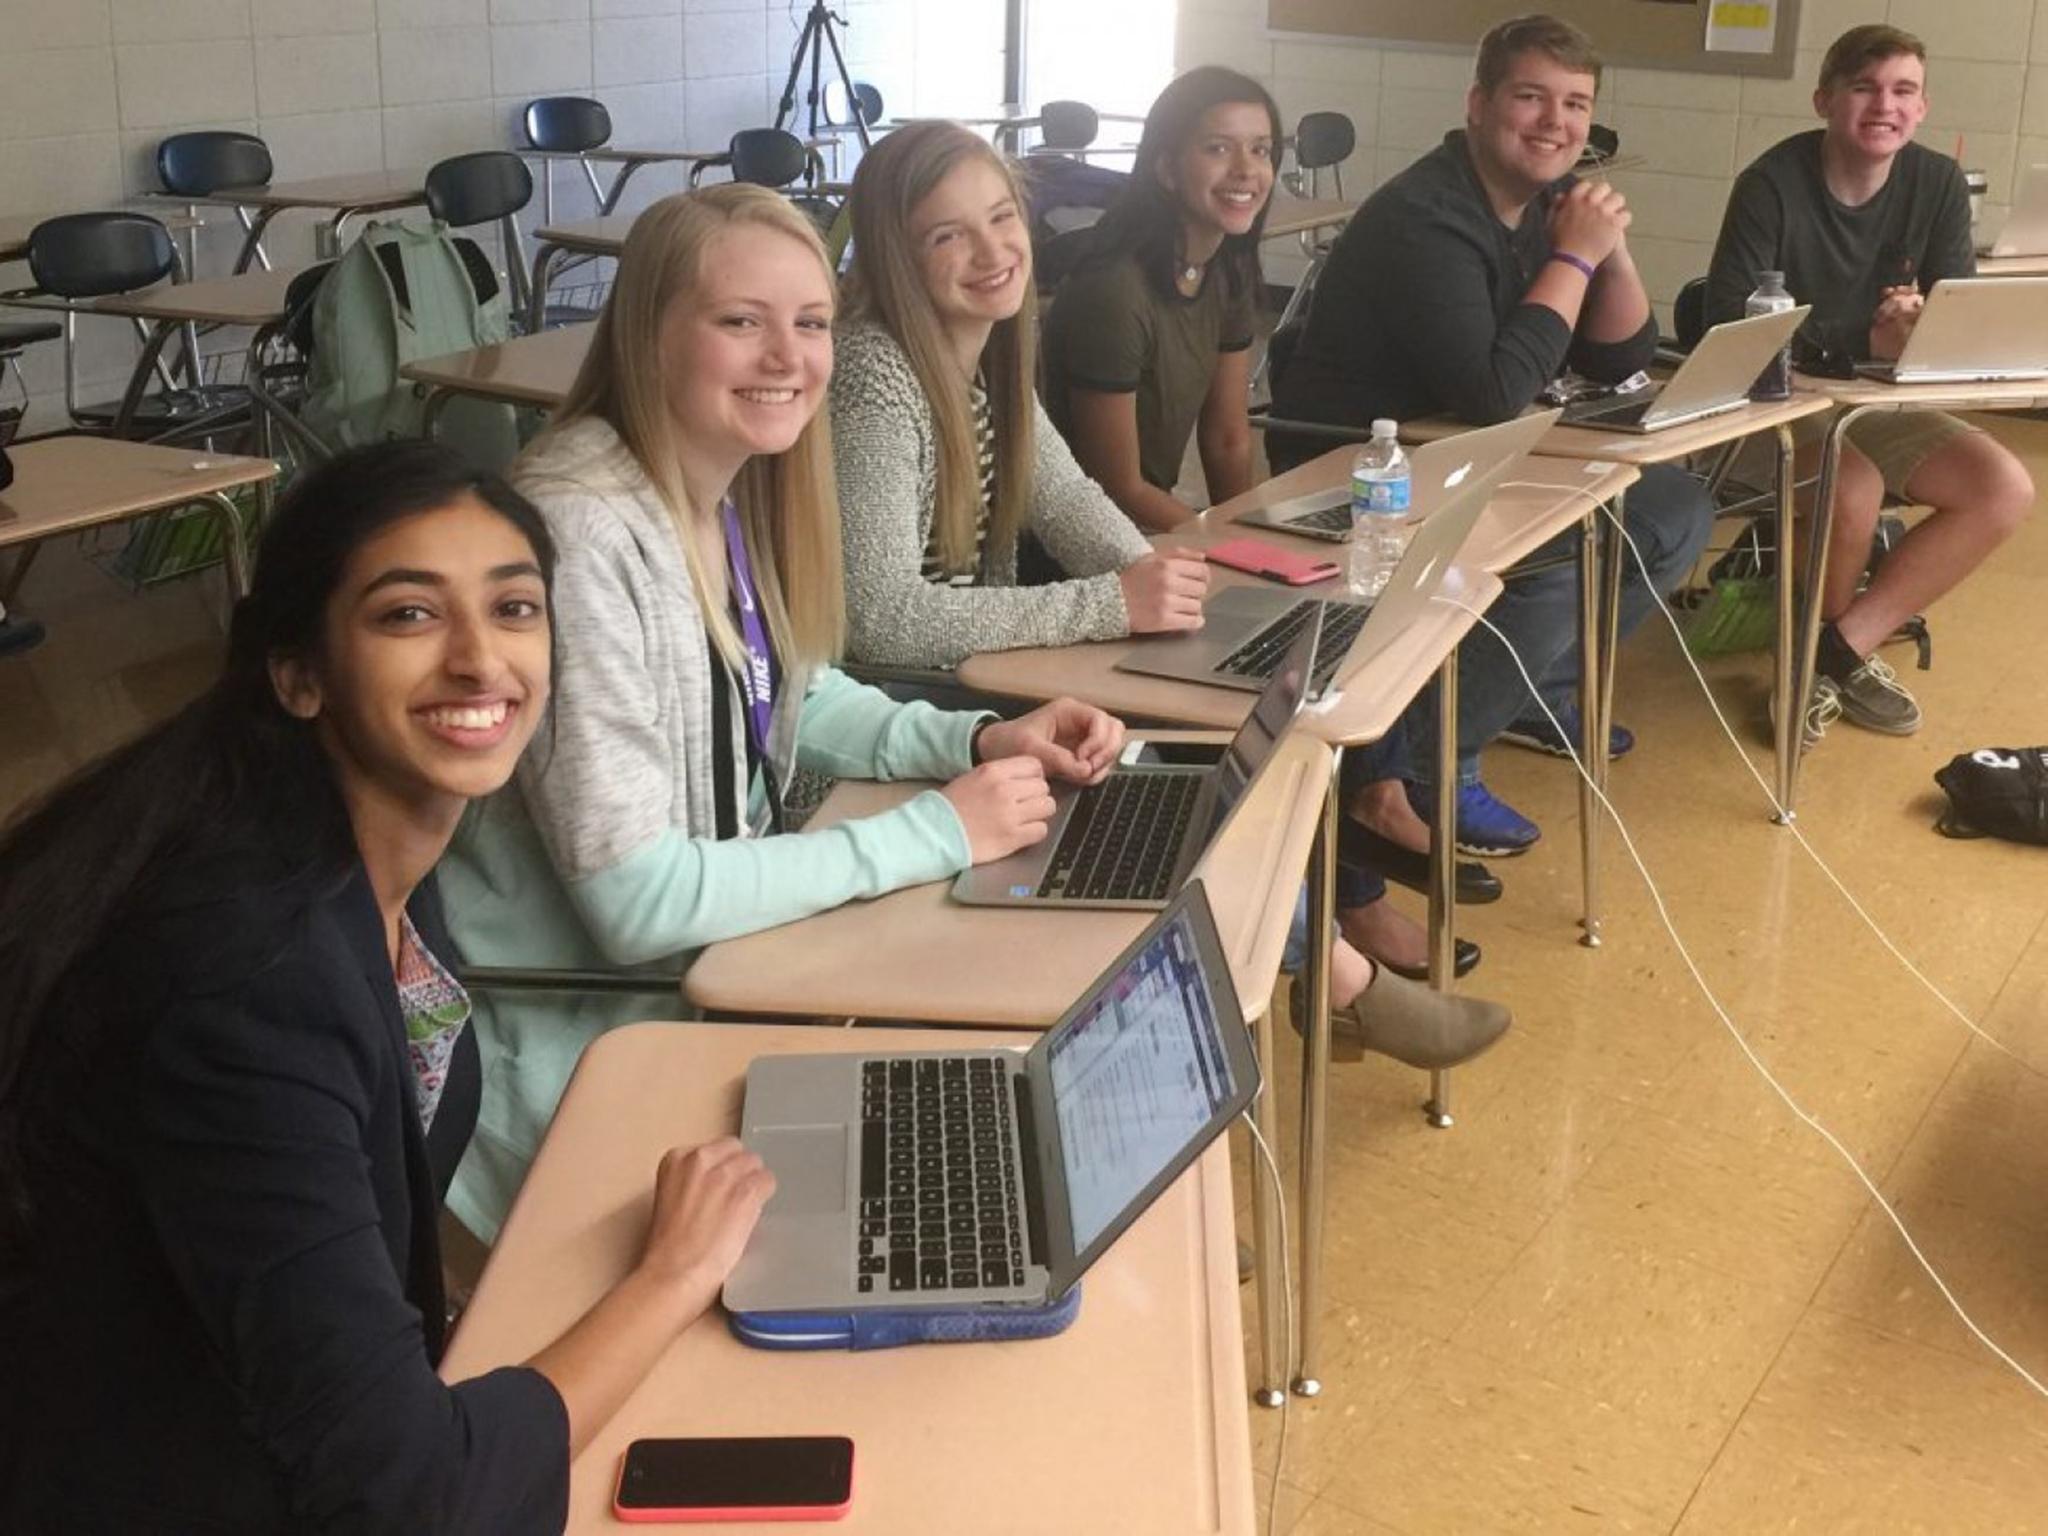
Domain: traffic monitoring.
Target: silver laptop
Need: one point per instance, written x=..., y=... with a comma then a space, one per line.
x=1133, y=839
x=1974, y=329
x=2025, y=232
x=994, y=1178
x=1716, y=376
x=1243, y=626
x=1435, y=470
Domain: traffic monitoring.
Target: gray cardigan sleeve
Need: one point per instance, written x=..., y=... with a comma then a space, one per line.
x=884, y=442
x=1073, y=516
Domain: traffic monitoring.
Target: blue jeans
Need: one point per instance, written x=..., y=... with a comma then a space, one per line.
x=1668, y=515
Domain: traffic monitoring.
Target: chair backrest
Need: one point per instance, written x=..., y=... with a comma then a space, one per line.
x=768, y=157
x=1603, y=141
x=477, y=188
x=567, y=124
x=85, y=255
x=1689, y=313
x=843, y=111
x=1323, y=139
x=869, y=101
x=1067, y=125
x=199, y=164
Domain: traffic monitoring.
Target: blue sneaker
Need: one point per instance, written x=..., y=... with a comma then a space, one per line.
x=1487, y=828
x=1537, y=734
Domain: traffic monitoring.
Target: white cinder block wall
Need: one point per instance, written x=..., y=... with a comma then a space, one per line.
x=1987, y=80
x=88, y=87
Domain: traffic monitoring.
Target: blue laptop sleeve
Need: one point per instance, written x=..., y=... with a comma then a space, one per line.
x=887, y=1330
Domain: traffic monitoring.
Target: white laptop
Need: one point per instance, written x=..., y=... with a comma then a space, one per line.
x=1974, y=330
x=1716, y=376
x=2026, y=227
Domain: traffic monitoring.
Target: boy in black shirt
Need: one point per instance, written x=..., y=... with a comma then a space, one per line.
x=1462, y=287
x=1863, y=222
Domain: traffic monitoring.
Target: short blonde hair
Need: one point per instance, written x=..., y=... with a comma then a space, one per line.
x=887, y=287
x=788, y=502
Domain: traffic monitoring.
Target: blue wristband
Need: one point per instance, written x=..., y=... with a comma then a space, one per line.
x=1586, y=268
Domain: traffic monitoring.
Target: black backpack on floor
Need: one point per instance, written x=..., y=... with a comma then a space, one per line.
x=1996, y=792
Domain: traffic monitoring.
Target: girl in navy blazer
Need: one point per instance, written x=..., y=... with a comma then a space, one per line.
x=235, y=1078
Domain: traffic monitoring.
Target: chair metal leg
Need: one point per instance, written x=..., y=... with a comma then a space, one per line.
x=1443, y=873
x=1589, y=724
x=1315, y=1081
x=1811, y=585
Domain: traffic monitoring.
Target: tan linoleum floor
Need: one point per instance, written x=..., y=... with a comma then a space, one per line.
x=1628, y=1291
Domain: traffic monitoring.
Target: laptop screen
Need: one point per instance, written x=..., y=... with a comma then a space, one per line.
x=1136, y=1075
x=1272, y=712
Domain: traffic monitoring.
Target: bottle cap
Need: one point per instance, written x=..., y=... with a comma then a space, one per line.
x=1385, y=426
x=1767, y=277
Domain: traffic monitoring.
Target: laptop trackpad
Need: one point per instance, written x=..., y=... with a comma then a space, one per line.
x=809, y=1164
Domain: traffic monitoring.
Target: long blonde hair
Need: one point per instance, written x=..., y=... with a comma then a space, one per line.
x=886, y=286
x=788, y=502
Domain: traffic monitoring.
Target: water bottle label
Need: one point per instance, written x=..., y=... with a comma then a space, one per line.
x=1388, y=495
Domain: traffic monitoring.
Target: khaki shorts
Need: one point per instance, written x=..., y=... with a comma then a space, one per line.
x=1897, y=442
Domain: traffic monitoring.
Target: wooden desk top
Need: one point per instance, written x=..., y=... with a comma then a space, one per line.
x=2019, y=394
x=527, y=370
x=918, y=954
x=1291, y=215
x=604, y=236
x=63, y=484
x=619, y=154
x=248, y=298
x=1516, y=521
x=2012, y=266
x=368, y=190
x=1646, y=448
x=1134, y=1420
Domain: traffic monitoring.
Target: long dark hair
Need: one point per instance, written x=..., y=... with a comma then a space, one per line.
x=231, y=766
x=1146, y=219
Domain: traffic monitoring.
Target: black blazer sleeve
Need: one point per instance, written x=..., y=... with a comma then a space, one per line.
x=256, y=1110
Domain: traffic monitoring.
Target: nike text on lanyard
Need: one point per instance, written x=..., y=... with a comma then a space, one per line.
x=757, y=677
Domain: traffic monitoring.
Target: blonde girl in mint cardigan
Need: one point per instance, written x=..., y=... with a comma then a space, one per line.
x=687, y=481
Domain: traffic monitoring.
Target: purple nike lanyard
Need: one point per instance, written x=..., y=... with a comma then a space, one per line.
x=757, y=677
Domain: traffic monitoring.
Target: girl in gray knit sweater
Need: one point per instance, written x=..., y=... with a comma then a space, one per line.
x=944, y=456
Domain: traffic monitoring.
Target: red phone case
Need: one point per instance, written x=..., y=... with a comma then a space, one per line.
x=1272, y=562
x=704, y=1514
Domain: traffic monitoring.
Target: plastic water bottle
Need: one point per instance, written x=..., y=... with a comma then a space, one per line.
x=1379, y=511
x=1775, y=382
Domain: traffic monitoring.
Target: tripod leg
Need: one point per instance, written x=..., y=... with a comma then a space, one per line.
x=806, y=39
x=860, y=121
x=817, y=56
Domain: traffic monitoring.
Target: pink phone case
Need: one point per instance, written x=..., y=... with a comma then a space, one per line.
x=704, y=1514
x=1272, y=562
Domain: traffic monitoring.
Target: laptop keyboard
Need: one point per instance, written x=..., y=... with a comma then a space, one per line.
x=1123, y=839
x=938, y=1203
x=1328, y=520
x=1265, y=650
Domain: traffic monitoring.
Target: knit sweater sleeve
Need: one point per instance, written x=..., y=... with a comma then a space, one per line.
x=885, y=443
x=1080, y=526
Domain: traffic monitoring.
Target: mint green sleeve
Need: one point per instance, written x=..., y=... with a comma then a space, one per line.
x=677, y=892
x=852, y=731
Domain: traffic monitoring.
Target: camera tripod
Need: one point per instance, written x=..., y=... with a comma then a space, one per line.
x=819, y=33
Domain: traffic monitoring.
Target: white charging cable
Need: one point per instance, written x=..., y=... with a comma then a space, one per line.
x=1286, y=1308
x=1714, y=1002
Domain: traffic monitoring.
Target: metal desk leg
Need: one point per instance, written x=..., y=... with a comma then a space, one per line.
x=1589, y=726
x=1443, y=872
x=252, y=242
x=1791, y=712
x=608, y=202
x=1811, y=584
x=430, y=411
x=1267, y=1391
x=233, y=551
x=1315, y=1080
x=543, y=260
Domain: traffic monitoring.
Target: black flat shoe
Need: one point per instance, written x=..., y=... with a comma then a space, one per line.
x=1466, y=962
x=1476, y=884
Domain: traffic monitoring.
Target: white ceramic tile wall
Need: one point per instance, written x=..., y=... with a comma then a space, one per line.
x=1987, y=82
x=88, y=87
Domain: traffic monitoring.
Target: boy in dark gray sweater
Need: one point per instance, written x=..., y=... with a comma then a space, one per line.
x=1863, y=222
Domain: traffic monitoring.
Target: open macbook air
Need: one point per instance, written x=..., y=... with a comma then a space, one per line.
x=2025, y=232
x=1132, y=839
x=1435, y=470
x=970, y=1179
x=1974, y=330
x=1716, y=376
x=1244, y=627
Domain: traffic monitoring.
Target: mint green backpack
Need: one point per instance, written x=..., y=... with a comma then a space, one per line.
x=399, y=294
